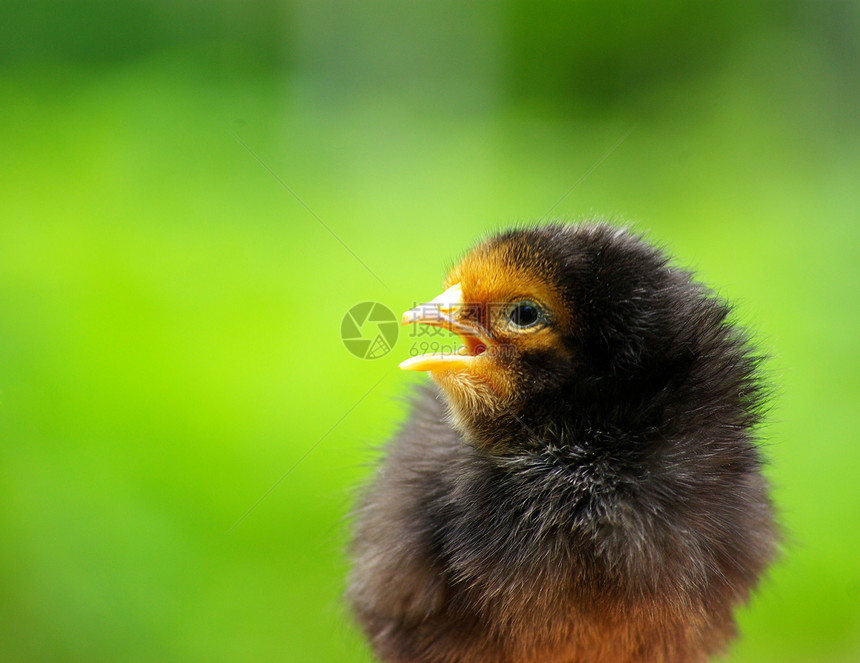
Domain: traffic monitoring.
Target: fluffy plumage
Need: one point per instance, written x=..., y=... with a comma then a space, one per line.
x=590, y=491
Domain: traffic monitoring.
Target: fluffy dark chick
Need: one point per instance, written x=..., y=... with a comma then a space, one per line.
x=582, y=489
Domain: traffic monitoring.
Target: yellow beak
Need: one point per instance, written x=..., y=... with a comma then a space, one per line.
x=442, y=311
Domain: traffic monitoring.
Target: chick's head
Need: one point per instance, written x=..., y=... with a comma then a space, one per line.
x=562, y=323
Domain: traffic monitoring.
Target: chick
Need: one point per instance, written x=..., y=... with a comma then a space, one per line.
x=582, y=484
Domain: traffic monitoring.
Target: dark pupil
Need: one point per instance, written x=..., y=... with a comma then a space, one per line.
x=524, y=315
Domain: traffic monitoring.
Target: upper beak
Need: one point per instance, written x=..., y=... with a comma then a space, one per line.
x=443, y=311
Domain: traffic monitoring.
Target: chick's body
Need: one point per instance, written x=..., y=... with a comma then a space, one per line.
x=582, y=484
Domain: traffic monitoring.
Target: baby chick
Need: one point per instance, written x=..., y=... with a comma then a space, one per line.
x=582, y=484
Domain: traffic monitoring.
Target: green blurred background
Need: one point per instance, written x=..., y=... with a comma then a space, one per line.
x=188, y=191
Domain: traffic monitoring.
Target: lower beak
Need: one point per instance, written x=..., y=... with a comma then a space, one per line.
x=443, y=312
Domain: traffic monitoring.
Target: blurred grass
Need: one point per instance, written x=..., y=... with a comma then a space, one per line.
x=169, y=347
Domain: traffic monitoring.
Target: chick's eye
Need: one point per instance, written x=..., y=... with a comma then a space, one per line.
x=524, y=314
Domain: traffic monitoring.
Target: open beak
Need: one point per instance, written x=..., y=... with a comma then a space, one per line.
x=443, y=311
